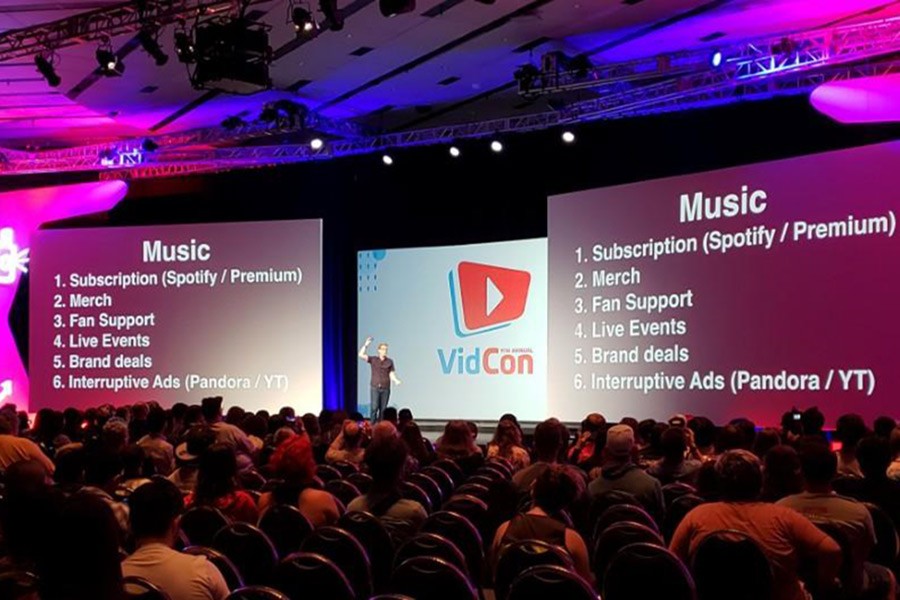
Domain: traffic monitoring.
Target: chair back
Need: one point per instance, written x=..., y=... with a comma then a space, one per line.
x=851, y=573
x=251, y=551
x=343, y=490
x=609, y=543
x=887, y=544
x=611, y=498
x=677, y=511
x=346, y=468
x=647, y=571
x=374, y=537
x=257, y=592
x=286, y=527
x=482, y=479
x=443, y=479
x=459, y=530
x=550, y=581
x=412, y=491
x=432, y=578
x=480, y=491
x=730, y=564
x=138, y=588
x=327, y=473
x=472, y=508
x=494, y=471
x=621, y=513
x=362, y=481
x=201, y=524
x=518, y=557
x=303, y=573
x=341, y=547
x=431, y=544
x=503, y=464
x=252, y=480
x=230, y=573
x=453, y=470
x=429, y=486
x=673, y=491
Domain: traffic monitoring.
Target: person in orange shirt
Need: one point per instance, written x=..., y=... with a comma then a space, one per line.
x=14, y=449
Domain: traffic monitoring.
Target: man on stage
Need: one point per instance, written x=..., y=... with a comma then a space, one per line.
x=383, y=374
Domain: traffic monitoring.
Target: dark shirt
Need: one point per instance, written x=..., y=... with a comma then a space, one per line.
x=535, y=527
x=381, y=371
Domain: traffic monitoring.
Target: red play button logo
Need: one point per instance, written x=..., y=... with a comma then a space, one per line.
x=490, y=297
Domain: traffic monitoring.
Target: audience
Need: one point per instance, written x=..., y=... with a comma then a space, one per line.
x=619, y=472
x=507, y=444
x=217, y=485
x=553, y=492
x=117, y=485
x=295, y=469
x=785, y=536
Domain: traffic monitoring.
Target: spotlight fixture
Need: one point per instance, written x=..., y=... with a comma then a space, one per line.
x=454, y=152
x=334, y=16
x=45, y=68
x=386, y=159
x=184, y=47
x=110, y=65
x=150, y=44
x=716, y=59
x=392, y=8
x=568, y=137
x=496, y=146
x=526, y=76
x=316, y=143
x=302, y=20
x=233, y=122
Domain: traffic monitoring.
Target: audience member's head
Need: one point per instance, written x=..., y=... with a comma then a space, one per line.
x=211, y=408
x=874, y=456
x=196, y=441
x=884, y=426
x=813, y=421
x=747, y=429
x=619, y=443
x=791, y=425
x=457, y=441
x=8, y=424
x=102, y=468
x=288, y=413
x=254, y=426
x=293, y=460
x=415, y=443
x=554, y=490
x=645, y=430
x=739, y=475
x=765, y=440
x=729, y=438
x=704, y=432
x=193, y=416
x=390, y=415
x=818, y=465
x=404, y=416
x=311, y=425
x=385, y=459
x=507, y=435
x=282, y=435
x=235, y=415
x=353, y=434
x=155, y=508
x=384, y=429
x=178, y=411
x=850, y=429
x=631, y=422
x=547, y=441
x=782, y=474
x=592, y=423
x=70, y=466
x=135, y=463
x=217, y=475
x=156, y=421
x=91, y=570
x=115, y=435
x=673, y=445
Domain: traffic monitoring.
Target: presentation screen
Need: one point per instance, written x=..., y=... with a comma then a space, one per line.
x=177, y=313
x=466, y=327
x=739, y=292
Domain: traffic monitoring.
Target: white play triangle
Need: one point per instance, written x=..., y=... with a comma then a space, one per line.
x=494, y=296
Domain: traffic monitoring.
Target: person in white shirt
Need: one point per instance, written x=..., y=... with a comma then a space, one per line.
x=155, y=511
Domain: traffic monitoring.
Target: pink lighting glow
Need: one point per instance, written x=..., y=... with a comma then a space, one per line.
x=22, y=212
x=865, y=100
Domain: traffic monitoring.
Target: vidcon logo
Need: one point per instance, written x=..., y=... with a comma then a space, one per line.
x=486, y=298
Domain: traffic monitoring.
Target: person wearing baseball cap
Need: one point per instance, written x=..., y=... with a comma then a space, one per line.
x=619, y=472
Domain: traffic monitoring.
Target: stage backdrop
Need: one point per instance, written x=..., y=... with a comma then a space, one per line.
x=743, y=291
x=466, y=326
x=176, y=313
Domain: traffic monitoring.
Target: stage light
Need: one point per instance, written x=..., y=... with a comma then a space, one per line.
x=302, y=20
x=496, y=146
x=316, y=144
x=233, y=122
x=716, y=59
x=184, y=48
x=47, y=71
x=151, y=46
x=454, y=152
x=334, y=16
x=526, y=76
x=110, y=65
x=568, y=137
x=386, y=159
x=392, y=8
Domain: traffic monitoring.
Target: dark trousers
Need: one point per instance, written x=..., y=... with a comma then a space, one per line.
x=379, y=401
